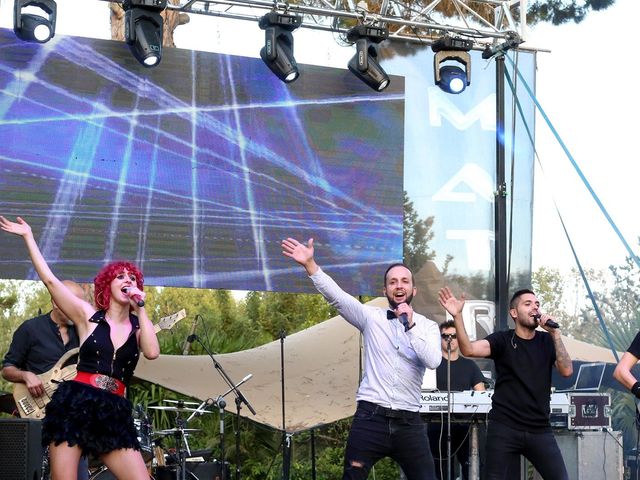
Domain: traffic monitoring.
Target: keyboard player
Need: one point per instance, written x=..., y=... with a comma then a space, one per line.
x=465, y=375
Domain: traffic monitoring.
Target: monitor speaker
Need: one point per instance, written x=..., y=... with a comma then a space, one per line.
x=20, y=444
x=209, y=470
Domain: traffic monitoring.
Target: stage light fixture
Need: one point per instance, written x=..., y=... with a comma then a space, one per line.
x=277, y=52
x=143, y=29
x=32, y=27
x=452, y=78
x=364, y=63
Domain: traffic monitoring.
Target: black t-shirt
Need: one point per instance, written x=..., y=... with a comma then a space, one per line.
x=523, y=380
x=37, y=345
x=634, y=348
x=465, y=374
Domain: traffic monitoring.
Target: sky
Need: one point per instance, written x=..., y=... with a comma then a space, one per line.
x=585, y=83
x=586, y=86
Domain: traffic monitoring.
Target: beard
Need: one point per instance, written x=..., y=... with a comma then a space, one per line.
x=530, y=323
x=394, y=305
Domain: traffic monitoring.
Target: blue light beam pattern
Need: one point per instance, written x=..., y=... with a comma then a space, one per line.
x=197, y=169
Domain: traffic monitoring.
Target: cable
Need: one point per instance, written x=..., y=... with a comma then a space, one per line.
x=575, y=165
x=513, y=168
x=573, y=251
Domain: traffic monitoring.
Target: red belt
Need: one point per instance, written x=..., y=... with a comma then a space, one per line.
x=103, y=382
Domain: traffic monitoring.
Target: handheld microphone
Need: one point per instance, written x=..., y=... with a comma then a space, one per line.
x=192, y=338
x=135, y=297
x=404, y=320
x=550, y=323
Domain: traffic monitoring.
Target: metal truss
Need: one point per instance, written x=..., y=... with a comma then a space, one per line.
x=483, y=21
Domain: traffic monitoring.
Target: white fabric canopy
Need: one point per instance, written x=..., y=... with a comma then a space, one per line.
x=321, y=367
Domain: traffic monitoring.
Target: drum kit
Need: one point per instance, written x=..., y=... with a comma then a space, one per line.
x=176, y=463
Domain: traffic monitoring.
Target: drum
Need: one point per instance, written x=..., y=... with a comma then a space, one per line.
x=144, y=430
x=105, y=474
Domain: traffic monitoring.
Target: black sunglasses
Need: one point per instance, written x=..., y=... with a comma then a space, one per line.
x=452, y=336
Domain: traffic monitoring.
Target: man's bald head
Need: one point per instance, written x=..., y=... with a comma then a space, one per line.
x=75, y=288
x=58, y=315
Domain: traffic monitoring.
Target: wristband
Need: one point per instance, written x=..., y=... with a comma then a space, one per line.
x=636, y=389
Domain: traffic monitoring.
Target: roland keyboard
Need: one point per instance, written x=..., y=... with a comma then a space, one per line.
x=471, y=402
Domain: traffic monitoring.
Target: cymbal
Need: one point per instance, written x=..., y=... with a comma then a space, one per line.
x=168, y=408
x=171, y=431
x=181, y=402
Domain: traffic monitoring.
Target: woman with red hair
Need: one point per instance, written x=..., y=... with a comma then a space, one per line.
x=90, y=415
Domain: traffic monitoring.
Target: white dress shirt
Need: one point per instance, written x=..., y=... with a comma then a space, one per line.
x=395, y=360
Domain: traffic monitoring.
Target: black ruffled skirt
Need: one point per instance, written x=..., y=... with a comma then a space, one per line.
x=96, y=420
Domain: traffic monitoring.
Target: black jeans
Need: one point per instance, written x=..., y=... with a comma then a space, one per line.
x=505, y=445
x=377, y=432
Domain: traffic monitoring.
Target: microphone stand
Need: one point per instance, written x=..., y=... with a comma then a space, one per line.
x=240, y=398
x=286, y=445
x=448, y=407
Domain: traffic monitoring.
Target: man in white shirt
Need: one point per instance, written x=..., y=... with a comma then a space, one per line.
x=399, y=345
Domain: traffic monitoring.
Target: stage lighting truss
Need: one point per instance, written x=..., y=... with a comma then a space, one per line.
x=277, y=52
x=452, y=64
x=32, y=27
x=364, y=63
x=143, y=29
x=485, y=21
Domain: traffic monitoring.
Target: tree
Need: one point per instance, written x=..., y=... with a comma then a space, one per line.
x=172, y=20
x=549, y=287
x=555, y=11
x=617, y=296
x=417, y=233
x=619, y=304
x=558, y=11
x=287, y=312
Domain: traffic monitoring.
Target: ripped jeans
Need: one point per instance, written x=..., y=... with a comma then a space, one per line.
x=377, y=432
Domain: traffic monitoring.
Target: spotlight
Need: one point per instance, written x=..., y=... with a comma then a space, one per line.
x=452, y=78
x=31, y=27
x=143, y=29
x=364, y=64
x=277, y=52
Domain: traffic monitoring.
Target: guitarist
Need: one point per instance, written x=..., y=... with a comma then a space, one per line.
x=38, y=344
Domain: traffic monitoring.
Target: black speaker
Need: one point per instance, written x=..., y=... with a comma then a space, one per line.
x=20, y=444
x=209, y=470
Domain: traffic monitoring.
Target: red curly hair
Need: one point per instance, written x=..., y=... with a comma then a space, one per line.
x=102, y=292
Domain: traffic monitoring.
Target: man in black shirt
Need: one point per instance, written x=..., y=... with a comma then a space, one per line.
x=519, y=416
x=464, y=375
x=37, y=345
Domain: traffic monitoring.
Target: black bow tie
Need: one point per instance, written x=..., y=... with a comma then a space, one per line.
x=391, y=315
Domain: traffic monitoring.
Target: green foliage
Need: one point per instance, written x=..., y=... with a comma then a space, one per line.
x=549, y=285
x=623, y=417
x=561, y=11
x=275, y=312
x=617, y=295
x=417, y=233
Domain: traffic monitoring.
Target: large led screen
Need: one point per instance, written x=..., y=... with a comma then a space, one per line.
x=196, y=169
